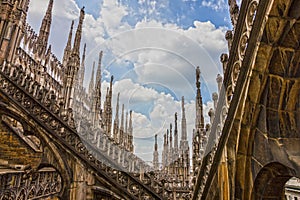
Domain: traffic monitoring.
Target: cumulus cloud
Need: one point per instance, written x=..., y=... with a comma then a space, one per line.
x=111, y=15
x=154, y=47
x=215, y=4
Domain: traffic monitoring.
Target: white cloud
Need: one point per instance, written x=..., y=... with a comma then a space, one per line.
x=111, y=16
x=216, y=5
x=93, y=29
x=165, y=54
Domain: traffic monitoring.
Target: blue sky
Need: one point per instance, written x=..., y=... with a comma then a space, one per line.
x=181, y=12
x=152, y=48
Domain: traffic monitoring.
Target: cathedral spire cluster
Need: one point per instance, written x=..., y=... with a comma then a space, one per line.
x=72, y=66
x=175, y=158
x=68, y=48
x=175, y=161
x=77, y=40
x=102, y=117
x=64, y=79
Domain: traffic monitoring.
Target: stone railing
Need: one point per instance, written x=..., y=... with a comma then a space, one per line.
x=96, y=141
x=19, y=184
x=43, y=106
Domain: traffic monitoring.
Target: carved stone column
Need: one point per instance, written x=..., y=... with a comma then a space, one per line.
x=78, y=188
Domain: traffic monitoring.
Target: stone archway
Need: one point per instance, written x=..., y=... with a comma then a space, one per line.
x=28, y=146
x=270, y=182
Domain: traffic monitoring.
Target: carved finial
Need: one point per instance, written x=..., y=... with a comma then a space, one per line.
x=182, y=104
x=111, y=78
x=182, y=107
x=122, y=119
x=77, y=39
x=126, y=122
x=198, y=77
x=219, y=78
x=234, y=11
x=224, y=57
x=171, y=137
x=117, y=107
x=116, y=122
x=47, y=18
x=155, y=147
x=84, y=50
x=228, y=35
x=130, y=123
x=67, y=50
x=98, y=75
x=176, y=135
x=219, y=81
x=215, y=99
x=130, y=134
x=100, y=57
x=229, y=38
x=99, y=66
x=50, y=5
x=107, y=91
x=91, y=85
x=199, y=104
x=110, y=86
x=98, y=83
x=183, y=122
x=108, y=108
x=215, y=96
x=224, y=60
x=44, y=32
x=167, y=136
x=70, y=35
x=211, y=114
